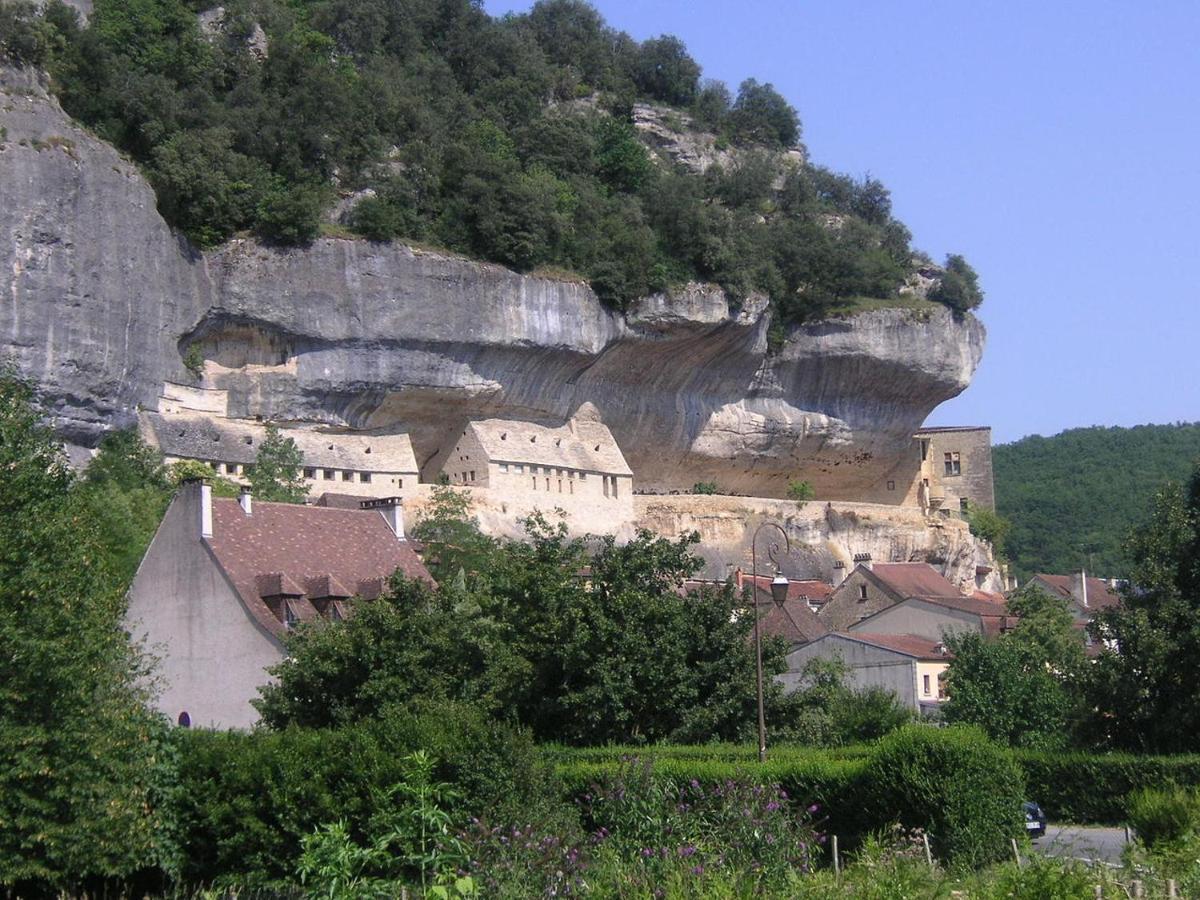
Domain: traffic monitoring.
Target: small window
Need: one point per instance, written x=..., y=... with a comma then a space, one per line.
x=953, y=463
x=570, y=473
x=472, y=474
x=520, y=469
x=547, y=484
x=230, y=468
x=862, y=592
x=891, y=485
x=329, y=474
x=924, y=450
x=534, y=479
x=184, y=720
x=925, y=685
x=605, y=485
x=560, y=485
x=290, y=619
x=503, y=467
x=310, y=473
x=615, y=486
x=583, y=476
x=347, y=476
x=399, y=482
x=571, y=486
x=364, y=477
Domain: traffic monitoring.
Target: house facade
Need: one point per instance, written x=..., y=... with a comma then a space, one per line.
x=909, y=666
x=1086, y=595
x=945, y=471
x=872, y=587
x=576, y=467
x=934, y=618
x=223, y=582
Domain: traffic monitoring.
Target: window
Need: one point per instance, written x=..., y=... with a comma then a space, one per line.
x=290, y=619
x=347, y=476
x=329, y=474
x=862, y=593
x=472, y=474
x=583, y=476
x=399, y=482
x=503, y=467
x=534, y=480
x=925, y=685
x=547, y=484
x=605, y=485
x=953, y=463
x=614, y=486
x=364, y=477
x=310, y=473
x=571, y=485
x=924, y=450
x=560, y=485
x=184, y=720
x=570, y=473
x=891, y=485
x=520, y=469
x=230, y=468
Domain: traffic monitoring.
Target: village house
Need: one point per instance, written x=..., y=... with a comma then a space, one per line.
x=935, y=618
x=910, y=666
x=945, y=472
x=576, y=467
x=1086, y=595
x=193, y=424
x=872, y=587
x=224, y=580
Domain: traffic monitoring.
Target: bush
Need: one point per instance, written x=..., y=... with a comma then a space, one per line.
x=965, y=791
x=704, y=487
x=1164, y=815
x=249, y=800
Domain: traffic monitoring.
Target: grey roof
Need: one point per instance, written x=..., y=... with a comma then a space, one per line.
x=232, y=440
x=581, y=444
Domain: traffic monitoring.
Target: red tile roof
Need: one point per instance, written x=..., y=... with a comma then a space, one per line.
x=1100, y=595
x=908, y=644
x=914, y=580
x=294, y=550
x=988, y=596
x=794, y=621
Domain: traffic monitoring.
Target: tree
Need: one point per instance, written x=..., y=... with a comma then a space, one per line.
x=86, y=774
x=666, y=72
x=800, y=492
x=824, y=711
x=276, y=474
x=959, y=286
x=760, y=115
x=1146, y=684
x=452, y=538
x=989, y=525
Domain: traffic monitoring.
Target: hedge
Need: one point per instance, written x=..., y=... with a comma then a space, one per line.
x=1092, y=788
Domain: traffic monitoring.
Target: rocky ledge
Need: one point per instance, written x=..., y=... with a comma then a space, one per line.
x=101, y=302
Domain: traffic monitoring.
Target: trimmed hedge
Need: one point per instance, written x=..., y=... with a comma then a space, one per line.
x=1092, y=788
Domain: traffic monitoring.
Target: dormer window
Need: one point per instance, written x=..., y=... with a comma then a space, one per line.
x=862, y=593
x=290, y=619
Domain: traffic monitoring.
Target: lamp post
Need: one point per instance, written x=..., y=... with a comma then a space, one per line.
x=779, y=589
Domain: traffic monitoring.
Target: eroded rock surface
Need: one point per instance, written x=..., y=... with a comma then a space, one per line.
x=101, y=302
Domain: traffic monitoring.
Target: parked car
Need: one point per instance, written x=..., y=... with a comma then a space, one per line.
x=1035, y=820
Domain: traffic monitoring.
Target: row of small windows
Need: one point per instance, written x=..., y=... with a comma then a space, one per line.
x=519, y=469
x=310, y=472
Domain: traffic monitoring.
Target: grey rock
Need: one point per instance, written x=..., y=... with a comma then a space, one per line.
x=99, y=300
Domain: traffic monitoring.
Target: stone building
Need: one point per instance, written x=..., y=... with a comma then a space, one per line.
x=944, y=471
x=933, y=618
x=576, y=467
x=224, y=580
x=191, y=423
x=872, y=587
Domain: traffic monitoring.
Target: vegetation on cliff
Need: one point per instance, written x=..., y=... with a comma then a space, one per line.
x=1073, y=498
x=507, y=139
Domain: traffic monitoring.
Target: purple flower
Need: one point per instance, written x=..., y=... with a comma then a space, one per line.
x=695, y=783
x=647, y=852
x=814, y=808
x=697, y=870
x=687, y=851
x=772, y=806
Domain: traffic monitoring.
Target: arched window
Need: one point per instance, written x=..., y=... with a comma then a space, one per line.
x=185, y=721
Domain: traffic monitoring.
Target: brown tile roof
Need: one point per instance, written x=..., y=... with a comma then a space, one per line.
x=285, y=549
x=1100, y=595
x=914, y=580
x=908, y=644
x=794, y=621
x=970, y=605
x=987, y=596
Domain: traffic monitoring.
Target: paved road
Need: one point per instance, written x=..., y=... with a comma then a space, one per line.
x=1082, y=843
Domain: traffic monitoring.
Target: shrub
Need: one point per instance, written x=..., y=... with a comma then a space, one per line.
x=704, y=487
x=965, y=791
x=1164, y=815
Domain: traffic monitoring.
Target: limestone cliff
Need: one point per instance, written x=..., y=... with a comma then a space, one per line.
x=101, y=302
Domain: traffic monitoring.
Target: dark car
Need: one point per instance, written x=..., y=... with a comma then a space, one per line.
x=1035, y=820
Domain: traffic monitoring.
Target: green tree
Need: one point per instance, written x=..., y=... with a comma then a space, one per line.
x=760, y=115
x=959, y=286
x=84, y=787
x=989, y=525
x=1146, y=685
x=453, y=541
x=276, y=475
x=800, y=492
x=666, y=72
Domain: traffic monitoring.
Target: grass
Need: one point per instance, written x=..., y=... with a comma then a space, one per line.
x=855, y=305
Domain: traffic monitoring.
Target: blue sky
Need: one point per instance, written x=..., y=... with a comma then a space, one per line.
x=1055, y=144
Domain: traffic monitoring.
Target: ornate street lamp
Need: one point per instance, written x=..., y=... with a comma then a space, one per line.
x=779, y=591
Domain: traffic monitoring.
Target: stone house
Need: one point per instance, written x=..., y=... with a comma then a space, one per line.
x=224, y=580
x=909, y=666
x=870, y=588
x=576, y=467
x=1085, y=594
x=367, y=465
x=945, y=471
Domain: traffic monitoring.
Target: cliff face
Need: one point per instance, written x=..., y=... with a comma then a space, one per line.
x=100, y=302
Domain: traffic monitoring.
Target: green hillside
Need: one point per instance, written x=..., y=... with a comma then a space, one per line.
x=1072, y=498
x=510, y=139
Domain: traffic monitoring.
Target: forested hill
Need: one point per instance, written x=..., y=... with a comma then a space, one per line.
x=506, y=139
x=1074, y=497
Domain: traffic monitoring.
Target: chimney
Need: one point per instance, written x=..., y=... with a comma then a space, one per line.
x=1079, y=588
x=863, y=559
x=245, y=501
x=839, y=573
x=205, y=491
x=392, y=510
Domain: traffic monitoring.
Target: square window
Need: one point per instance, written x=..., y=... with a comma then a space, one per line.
x=503, y=467
x=891, y=485
x=329, y=474
x=310, y=473
x=520, y=469
x=347, y=476
x=364, y=477
x=952, y=463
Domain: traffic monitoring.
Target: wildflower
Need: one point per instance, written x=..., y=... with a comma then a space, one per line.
x=697, y=870
x=772, y=806
x=687, y=851
x=647, y=852
x=814, y=808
